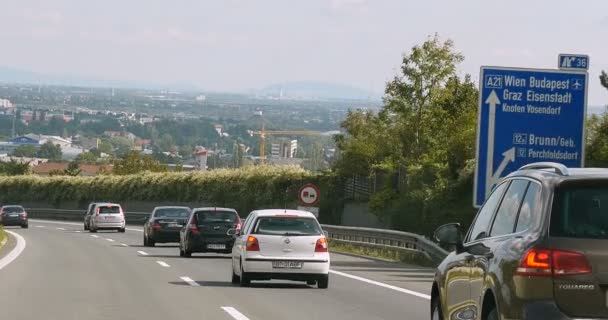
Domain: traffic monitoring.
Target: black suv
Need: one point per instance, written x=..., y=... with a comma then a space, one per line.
x=537, y=249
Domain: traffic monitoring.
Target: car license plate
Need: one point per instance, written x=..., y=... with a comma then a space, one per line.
x=287, y=264
x=216, y=246
x=13, y=215
x=175, y=225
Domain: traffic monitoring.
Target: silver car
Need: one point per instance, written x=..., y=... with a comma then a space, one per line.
x=108, y=216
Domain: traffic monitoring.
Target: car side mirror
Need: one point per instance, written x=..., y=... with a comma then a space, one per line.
x=449, y=235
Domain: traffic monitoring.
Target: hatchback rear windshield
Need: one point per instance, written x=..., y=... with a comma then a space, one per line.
x=12, y=209
x=292, y=226
x=580, y=211
x=203, y=217
x=172, y=213
x=109, y=209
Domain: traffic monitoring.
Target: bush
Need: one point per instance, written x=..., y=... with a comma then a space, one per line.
x=244, y=189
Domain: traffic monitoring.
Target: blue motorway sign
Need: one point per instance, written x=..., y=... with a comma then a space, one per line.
x=573, y=61
x=525, y=116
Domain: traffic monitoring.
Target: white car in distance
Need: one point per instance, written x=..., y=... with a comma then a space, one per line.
x=281, y=244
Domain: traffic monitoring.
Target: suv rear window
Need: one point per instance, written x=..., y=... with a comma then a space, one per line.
x=297, y=226
x=203, y=217
x=108, y=209
x=172, y=213
x=12, y=209
x=580, y=211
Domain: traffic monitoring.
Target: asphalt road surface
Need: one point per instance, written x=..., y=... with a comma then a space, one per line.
x=69, y=274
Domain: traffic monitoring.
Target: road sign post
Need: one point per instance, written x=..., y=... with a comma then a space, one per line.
x=525, y=116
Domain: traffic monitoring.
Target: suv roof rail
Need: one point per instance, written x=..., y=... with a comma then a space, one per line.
x=559, y=168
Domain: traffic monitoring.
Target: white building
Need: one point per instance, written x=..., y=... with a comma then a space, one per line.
x=6, y=104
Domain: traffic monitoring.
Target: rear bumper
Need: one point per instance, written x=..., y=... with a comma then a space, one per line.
x=109, y=225
x=285, y=276
x=264, y=266
x=164, y=236
x=201, y=244
x=14, y=221
x=546, y=310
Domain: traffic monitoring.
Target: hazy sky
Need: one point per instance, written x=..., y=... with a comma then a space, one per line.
x=242, y=44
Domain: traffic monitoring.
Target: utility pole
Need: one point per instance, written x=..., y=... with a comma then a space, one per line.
x=14, y=121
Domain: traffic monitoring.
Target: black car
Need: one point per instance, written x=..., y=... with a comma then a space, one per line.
x=13, y=215
x=164, y=225
x=209, y=230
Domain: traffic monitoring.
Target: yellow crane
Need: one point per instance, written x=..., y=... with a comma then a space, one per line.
x=263, y=133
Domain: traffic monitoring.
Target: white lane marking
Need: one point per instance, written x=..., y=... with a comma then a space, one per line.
x=235, y=313
x=60, y=228
x=40, y=226
x=384, y=285
x=76, y=224
x=111, y=240
x=190, y=281
x=124, y=244
x=94, y=236
x=78, y=231
x=142, y=253
x=163, y=264
x=11, y=256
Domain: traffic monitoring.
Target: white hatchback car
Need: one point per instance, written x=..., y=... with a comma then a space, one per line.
x=107, y=216
x=281, y=244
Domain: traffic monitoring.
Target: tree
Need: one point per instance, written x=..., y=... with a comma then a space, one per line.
x=73, y=169
x=122, y=145
x=86, y=157
x=604, y=79
x=105, y=147
x=26, y=150
x=13, y=168
x=133, y=163
x=237, y=155
x=49, y=151
x=166, y=143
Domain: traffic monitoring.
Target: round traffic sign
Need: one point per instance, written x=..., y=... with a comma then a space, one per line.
x=309, y=194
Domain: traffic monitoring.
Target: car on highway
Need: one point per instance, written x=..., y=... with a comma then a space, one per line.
x=281, y=244
x=13, y=215
x=210, y=229
x=88, y=214
x=107, y=216
x=537, y=249
x=165, y=224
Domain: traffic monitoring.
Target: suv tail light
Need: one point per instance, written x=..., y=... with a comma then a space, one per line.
x=549, y=262
x=194, y=226
x=252, y=244
x=321, y=245
x=155, y=225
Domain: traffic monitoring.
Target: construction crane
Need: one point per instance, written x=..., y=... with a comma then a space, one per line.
x=263, y=133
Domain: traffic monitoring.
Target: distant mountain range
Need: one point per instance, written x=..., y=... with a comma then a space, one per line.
x=13, y=75
x=316, y=90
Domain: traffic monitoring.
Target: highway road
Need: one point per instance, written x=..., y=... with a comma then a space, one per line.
x=66, y=273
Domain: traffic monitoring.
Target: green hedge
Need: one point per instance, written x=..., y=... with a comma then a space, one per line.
x=245, y=189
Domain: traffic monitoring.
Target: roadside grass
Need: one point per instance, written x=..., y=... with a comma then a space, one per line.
x=390, y=254
x=3, y=237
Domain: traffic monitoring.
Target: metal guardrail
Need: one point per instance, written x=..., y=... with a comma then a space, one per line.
x=389, y=239
x=378, y=238
x=131, y=217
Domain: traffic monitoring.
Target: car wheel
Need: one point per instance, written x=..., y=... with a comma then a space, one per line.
x=151, y=243
x=85, y=227
x=181, y=252
x=323, y=282
x=146, y=241
x=187, y=253
x=311, y=282
x=244, y=281
x=92, y=230
x=436, y=310
x=235, y=279
x=122, y=230
x=493, y=314
x=25, y=226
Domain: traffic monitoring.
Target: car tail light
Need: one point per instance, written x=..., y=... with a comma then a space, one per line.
x=98, y=211
x=549, y=262
x=252, y=244
x=155, y=226
x=194, y=226
x=321, y=245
